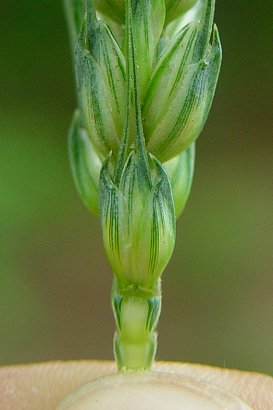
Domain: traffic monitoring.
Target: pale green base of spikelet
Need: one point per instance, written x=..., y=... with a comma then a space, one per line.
x=135, y=340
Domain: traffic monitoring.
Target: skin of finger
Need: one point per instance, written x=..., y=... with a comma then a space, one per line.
x=43, y=386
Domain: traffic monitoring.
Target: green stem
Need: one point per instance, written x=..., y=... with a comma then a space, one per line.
x=135, y=341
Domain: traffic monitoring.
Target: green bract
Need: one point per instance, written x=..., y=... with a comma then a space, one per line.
x=138, y=223
x=184, y=82
x=100, y=74
x=85, y=163
x=180, y=172
x=146, y=37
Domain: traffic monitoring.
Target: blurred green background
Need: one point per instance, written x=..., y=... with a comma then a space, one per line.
x=54, y=279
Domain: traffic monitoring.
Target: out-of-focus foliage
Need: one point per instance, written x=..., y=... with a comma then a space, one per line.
x=54, y=281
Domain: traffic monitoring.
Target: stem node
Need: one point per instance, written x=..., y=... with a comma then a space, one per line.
x=135, y=340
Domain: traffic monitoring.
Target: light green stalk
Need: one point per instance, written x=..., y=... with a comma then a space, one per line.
x=144, y=95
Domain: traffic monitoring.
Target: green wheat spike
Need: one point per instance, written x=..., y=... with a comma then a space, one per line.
x=145, y=85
